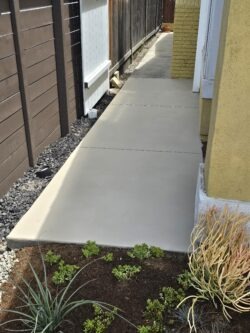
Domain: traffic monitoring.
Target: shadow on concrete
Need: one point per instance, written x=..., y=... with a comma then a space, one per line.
x=157, y=62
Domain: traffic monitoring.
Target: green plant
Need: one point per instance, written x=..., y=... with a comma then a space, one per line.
x=171, y=297
x=90, y=249
x=101, y=321
x=143, y=251
x=154, y=310
x=52, y=258
x=64, y=273
x=156, y=252
x=140, y=251
x=125, y=272
x=185, y=280
x=219, y=262
x=144, y=329
x=42, y=312
x=154, y=314
x=109, y=257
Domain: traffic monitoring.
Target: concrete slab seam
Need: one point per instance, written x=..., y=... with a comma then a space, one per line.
x=141, y=150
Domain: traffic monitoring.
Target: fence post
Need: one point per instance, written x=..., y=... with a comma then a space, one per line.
x=60, y=47
x=22, y=76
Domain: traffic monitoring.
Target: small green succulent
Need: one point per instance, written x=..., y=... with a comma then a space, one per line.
x=101, y=321
x=51, y=258
x=125, y=272
x=109, y=257
x=64, y=273
x=90, y=249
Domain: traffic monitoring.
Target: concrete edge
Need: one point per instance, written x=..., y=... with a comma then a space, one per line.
x=203, y=202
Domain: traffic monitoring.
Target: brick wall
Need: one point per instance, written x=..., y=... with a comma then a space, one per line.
x=185, y=38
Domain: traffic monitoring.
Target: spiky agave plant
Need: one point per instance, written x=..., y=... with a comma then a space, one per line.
x=42, y=312
x=219, y=262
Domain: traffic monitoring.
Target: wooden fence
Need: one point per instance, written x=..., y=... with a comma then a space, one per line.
x=132, y=22
x=40, y=79
x=168, y=11
x=41, y=75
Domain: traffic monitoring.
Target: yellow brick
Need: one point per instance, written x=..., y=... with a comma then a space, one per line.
x=185, y=38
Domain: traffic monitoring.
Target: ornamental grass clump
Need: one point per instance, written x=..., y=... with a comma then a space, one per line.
x=43, y=311
x=219, y=262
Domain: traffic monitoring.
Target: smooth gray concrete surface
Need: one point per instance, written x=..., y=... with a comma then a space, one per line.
x=133, y=177
x=117, y=198
x=146, y=128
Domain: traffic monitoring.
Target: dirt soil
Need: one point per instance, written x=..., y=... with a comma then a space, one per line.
x=130, y=296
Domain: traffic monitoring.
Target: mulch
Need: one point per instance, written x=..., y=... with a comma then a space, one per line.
x=129, y=296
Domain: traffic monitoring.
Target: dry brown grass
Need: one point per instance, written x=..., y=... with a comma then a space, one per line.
x=220, y=262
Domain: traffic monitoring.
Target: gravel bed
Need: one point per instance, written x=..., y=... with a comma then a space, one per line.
x=16, y=202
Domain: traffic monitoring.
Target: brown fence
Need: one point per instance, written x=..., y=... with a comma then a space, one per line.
x=40, y=79
x=41, y=75
x=132, y=22
x=168, y=11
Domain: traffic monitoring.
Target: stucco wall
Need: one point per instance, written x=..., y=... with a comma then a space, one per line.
x=185, y=37
x=227, y=168
x=205, y=112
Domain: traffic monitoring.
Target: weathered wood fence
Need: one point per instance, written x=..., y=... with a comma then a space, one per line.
x=168, y=11
x=132, y=22
x=41, y=75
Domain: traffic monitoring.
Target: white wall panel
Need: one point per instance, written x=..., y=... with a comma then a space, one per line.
x=95, y=50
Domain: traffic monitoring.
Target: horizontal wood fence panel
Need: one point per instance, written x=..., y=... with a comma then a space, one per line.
x=53, y=136
x=9, y=165
x=11, y=144
x=31, y=111
x=30, y=21
x=5, y=24
x=30, y=4
x=13, y=148
x=39, y=53
x=7, y=47
x=10, y=125
x=9, y=87
x=37, y=36
x=44, y=100
x=8, y=67
x=41, y=69
x=10, y=106
x=41, y=88
x=42, y=132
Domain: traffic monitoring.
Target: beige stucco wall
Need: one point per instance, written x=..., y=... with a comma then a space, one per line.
x=186, y=24
x=227, y=167
x=205, y=112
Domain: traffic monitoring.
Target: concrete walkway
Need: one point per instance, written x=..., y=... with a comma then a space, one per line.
x=133, y=177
